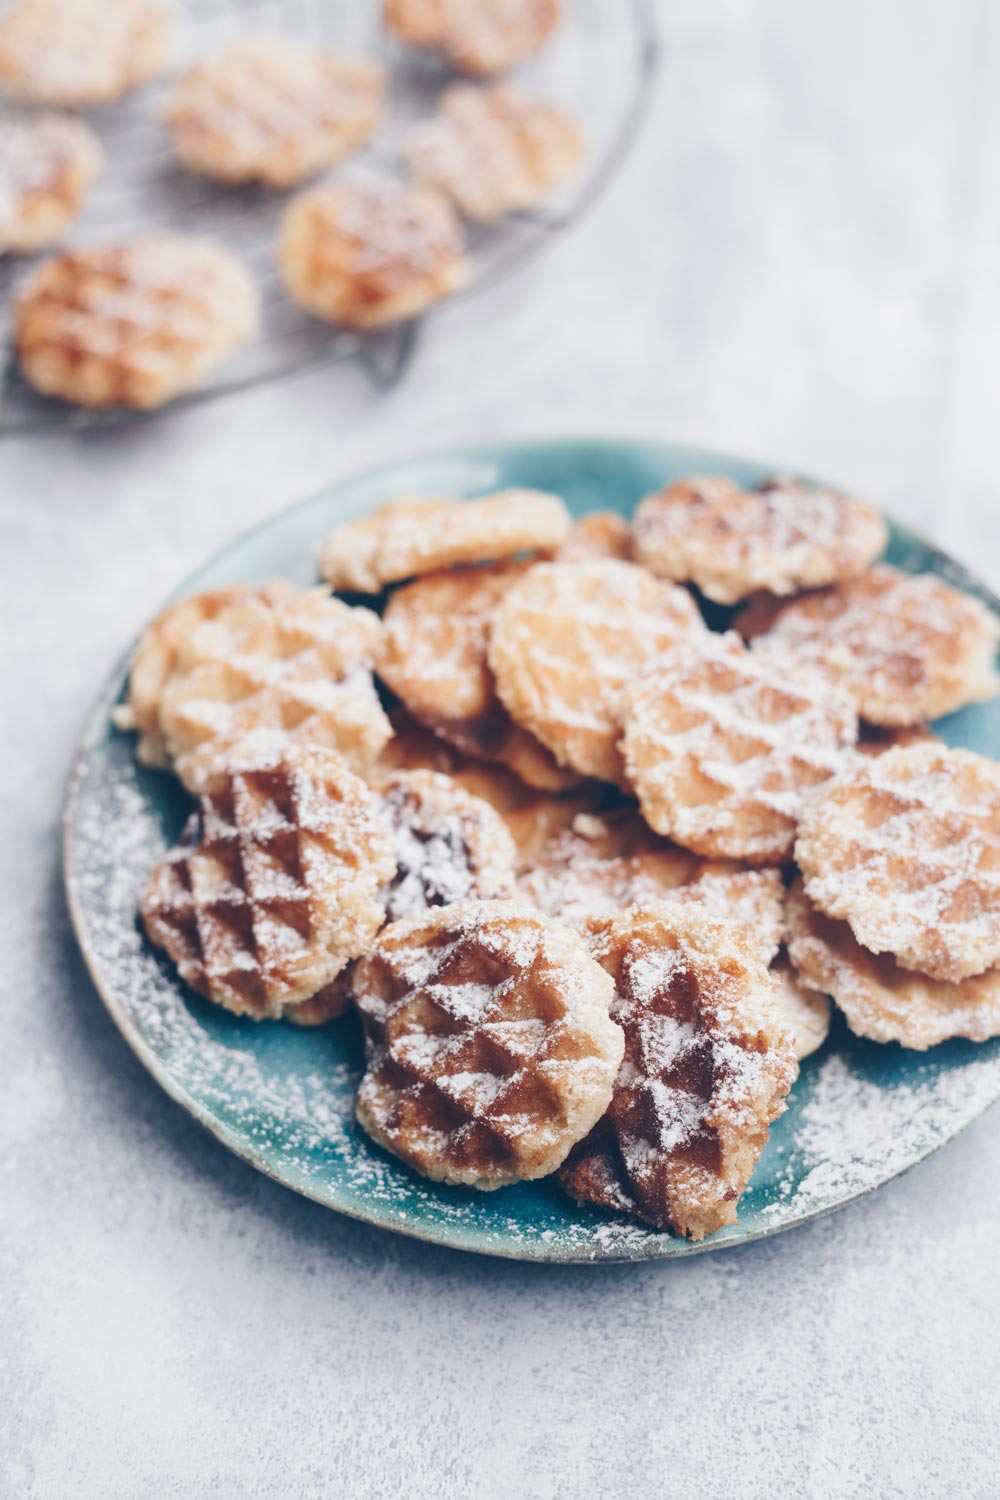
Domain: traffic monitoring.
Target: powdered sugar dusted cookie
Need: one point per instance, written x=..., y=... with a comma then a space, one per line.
x=449, y=845
x=269, y=110
x=908, y=647
x=708, y=1063
x=218, y=665
x=433, y=655
x=906, y=848
x=489, y=1047
x=493, y=150
x=478, y=36
x=724, y=749
x=782, y=537
x=805, y=1010
x=881, y=999
x=568, y=638
x=47, y=164
x=413, y=536
x=134, y=324
x=275, y=885
x=76, y=53
x=602, y=533
x=366, y=251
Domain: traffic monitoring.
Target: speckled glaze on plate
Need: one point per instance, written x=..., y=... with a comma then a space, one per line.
x=282, y=1098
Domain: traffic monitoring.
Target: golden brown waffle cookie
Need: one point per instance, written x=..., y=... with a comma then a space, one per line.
x=433, y=655
x=47, y=164
x=77, y=53
x=277, y=657
x=880, y=998
x=908, y=647
x=275, y=885
x=133, y=324
x=478, y=36
x=750, y=899
x=366, y=251
x=601, y=863
x=489, y=1047
x=782, y=537
x=568, y=638
x=449, y=845
x=708, y=1063
x=604, y=533
x=411, y=537
x=906, y=849
x=723, y=749
x=155, y=661
x=269, y=110
x=533, y=817
x=806, y=1011
x=493, y=151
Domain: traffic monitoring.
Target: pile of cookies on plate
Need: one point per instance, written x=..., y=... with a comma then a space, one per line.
x=137, y=322
x=588, y=869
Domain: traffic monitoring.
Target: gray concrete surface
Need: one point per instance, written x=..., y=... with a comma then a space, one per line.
x=802, y=260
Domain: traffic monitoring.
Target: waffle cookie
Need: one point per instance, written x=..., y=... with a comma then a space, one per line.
x=568, y=638
x=47, y=165
x=907, y=647
x=906, y=849
x=723, y=749
x=274, y=887
x=269, y=110
x=493, y=151
x=806, y=1011
x=880, y=999
x=482, y=37
x=433, y=655
x=216, y=666
x=708, y=1063
x=448, y=845
x=366, y=252
x=74, y=54
x=416, y=536
x=782, y=536
x=488, y=1043
x=134, y=324
x=603, y=533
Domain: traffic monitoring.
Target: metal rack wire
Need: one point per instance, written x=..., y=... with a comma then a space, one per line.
x=600, y=66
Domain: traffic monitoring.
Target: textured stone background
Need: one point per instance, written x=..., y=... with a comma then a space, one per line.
x=800, y=261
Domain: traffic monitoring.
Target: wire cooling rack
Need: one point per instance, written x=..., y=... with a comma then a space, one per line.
x=600, y=66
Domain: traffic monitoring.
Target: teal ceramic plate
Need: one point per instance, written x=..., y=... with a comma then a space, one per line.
x=282, y=1098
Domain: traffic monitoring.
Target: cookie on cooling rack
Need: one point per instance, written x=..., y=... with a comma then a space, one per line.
x=724, y=750
x=77, y=53
x=489, y=1047
x=366, y=252
x=482, y=37
x=269, y=110
x=135, y=324
x=433, y=655
x=907, y=646
x=493, y=150
x=275, y=885
x=905, y=847
x=707, y=1067
x=569, y=637
x=410, y=537
x=218, y=665
x=732, y=542
x=47, y=165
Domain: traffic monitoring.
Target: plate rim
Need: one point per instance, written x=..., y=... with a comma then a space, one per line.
x=450, y=1237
